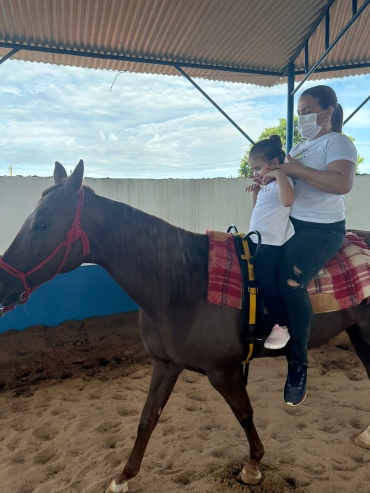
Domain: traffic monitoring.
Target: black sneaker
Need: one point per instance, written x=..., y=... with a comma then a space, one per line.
x=295, y=387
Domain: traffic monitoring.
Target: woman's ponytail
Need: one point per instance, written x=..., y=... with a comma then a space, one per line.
x=337, y=119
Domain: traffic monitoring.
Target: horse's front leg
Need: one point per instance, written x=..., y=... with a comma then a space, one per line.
x=233, y=391
x=165, y=375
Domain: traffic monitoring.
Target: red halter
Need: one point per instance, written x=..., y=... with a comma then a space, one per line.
x=74, y=232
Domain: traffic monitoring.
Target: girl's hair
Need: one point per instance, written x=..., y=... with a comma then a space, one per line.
x=269, y=149
x=326, y=97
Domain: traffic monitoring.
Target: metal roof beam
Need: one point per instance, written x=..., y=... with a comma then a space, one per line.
x=307, y=38
x=327, y=29
x=214, y=103
x=334, y=69
x=306, y=69
x=126, y=58
x=356, y=110
x=9, y=55
x=331, y=46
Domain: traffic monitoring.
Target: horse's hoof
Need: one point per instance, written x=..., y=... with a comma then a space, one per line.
x=247, y=476
x=117, y=488
x=363, y=440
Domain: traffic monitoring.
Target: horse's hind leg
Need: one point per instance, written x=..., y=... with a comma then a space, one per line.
x=164, y=377
x=232, y=389
x=360, y=338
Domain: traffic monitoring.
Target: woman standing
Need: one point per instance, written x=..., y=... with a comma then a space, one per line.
x=323, y=170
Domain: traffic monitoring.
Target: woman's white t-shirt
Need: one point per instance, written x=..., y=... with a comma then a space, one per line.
x=310, y=204
x=270, y=217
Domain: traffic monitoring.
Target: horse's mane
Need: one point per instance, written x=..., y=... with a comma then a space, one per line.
x=46, y=192
x=177, y=255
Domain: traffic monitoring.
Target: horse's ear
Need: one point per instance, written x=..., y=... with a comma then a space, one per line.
x=60, y=174
x=74, y=182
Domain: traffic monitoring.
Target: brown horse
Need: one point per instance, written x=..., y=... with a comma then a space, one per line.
x=164, y=269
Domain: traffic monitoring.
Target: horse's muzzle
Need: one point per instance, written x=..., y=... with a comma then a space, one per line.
x=12, y=299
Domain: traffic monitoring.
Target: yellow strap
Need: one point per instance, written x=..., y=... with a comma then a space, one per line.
x=247, y=256
x=252, y=295
x=252, y=305
x=252, y=291
x=249, y=354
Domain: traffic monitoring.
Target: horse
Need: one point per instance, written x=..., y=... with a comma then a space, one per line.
x=164, y=269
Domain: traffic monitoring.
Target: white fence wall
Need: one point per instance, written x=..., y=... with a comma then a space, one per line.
x=196, y=205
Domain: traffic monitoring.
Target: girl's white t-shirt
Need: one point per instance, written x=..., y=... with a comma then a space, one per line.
x=311, y=204
x=270, y=217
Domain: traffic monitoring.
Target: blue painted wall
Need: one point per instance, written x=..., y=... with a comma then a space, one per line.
x=86, y=292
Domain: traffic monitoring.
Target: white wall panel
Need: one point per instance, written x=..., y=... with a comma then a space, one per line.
x=196, y=205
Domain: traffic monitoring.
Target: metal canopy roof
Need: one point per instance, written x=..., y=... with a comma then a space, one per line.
x=250, y=41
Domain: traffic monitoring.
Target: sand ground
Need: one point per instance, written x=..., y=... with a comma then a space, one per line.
x=71, y=401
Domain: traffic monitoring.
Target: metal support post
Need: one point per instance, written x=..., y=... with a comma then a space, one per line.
x=356, y=110
x=9, y=55
x=290, y=108
x=331, y=46
x=214, y=104
x=354, y=7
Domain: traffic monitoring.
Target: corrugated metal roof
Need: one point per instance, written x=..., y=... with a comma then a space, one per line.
x=353, y=48
x=254, y=34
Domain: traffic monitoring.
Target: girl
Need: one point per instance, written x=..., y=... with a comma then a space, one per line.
x=271, y=208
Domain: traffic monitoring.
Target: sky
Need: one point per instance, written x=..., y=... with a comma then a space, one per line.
x=146, y=126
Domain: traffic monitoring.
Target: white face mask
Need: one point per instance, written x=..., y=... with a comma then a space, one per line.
x=307, y=125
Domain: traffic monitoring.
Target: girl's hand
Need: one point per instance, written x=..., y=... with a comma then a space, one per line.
x=292, y=168
x=271, y=175
x=253, y=188
x=256, y=187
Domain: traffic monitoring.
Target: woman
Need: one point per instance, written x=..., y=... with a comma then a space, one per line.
x=323, y=169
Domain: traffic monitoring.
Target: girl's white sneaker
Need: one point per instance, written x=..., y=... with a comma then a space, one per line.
x=278, y=338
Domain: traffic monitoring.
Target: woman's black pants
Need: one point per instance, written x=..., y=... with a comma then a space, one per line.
x=283, y=273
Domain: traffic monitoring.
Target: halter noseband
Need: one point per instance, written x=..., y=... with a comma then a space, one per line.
x=74, y=232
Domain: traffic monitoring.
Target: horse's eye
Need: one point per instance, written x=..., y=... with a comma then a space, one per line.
x=41, y=226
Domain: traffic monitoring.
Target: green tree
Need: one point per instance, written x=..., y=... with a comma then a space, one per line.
x=244, y=168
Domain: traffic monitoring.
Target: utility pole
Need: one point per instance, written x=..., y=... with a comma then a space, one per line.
x=11, y=170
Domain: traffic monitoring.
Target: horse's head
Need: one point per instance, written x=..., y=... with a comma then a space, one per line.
x=44, y=230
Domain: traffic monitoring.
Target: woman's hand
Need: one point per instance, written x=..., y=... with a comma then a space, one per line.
x=292, y=168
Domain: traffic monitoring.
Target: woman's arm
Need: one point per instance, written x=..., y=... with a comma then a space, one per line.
x=337, y=179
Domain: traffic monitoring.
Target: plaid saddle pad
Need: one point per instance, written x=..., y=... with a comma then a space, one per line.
x=343, y=283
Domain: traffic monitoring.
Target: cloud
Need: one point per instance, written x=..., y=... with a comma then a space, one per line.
x=146, y=126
